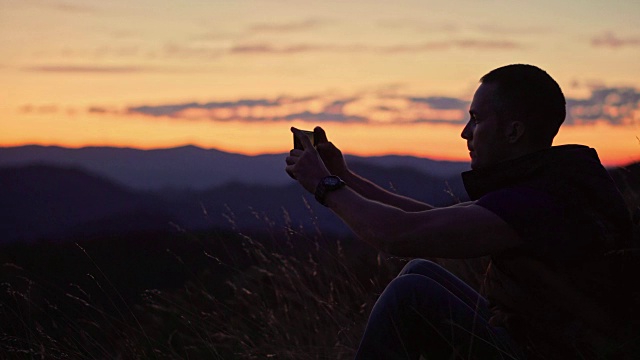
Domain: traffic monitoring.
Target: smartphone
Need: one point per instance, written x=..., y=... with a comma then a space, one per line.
x=297, y=144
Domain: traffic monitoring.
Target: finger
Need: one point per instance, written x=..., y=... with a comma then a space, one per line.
x=291, y=160
x=289, y=170
x=295, y=152
x=319, y=135
x=304, y=139
x=327, y=146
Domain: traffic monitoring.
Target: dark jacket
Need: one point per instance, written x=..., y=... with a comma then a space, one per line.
x=560, y=294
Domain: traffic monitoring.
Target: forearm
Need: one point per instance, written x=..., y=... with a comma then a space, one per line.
x=385, y=227
x=390, y=229
x=371, y=191
x=368, y=219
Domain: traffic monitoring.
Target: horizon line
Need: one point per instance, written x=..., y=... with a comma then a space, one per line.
x=245, y=153
x=613, y=163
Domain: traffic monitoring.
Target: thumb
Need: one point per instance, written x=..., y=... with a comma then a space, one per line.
x=319, y=135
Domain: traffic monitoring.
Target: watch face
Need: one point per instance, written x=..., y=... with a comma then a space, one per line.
x=331, y=181
x=328, y=183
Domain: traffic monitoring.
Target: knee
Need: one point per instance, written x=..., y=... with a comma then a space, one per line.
x=420, y=267
x=411, y=288
x=409, y=297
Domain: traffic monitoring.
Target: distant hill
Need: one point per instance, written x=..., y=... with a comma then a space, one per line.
x=39, y=201
x=55, y=203
x=190, y=167
x=252, y=206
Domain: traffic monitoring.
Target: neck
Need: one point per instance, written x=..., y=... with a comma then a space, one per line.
x=527, y=149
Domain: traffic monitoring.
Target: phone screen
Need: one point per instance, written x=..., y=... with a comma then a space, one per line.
x=297, y=144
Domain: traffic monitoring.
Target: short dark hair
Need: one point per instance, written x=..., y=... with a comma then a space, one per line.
x=528, y=93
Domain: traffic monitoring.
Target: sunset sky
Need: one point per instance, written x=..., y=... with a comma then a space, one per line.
x=380, y=76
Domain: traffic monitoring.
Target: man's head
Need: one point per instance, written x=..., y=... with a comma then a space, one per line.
x=516, y=110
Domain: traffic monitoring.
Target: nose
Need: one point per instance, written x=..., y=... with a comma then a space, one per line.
x=467, y=132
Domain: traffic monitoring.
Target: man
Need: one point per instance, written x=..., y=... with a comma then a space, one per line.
x=545, y=215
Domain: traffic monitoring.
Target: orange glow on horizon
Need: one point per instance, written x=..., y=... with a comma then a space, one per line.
x=616, y=145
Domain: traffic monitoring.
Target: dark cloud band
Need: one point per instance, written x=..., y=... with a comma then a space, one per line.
x=616, y=106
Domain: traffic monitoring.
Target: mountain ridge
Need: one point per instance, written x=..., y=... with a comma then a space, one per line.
x=192, y=167
x=47, y=202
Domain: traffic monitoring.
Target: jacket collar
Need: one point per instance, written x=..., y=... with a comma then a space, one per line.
x=511, y=172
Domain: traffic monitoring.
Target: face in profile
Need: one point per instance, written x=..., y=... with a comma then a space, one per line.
x=486, y=138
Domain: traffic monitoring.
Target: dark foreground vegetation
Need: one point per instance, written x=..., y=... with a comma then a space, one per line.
x=215, y=295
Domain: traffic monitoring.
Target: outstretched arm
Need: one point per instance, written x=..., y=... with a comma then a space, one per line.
x=462, y=231
x=459, y=231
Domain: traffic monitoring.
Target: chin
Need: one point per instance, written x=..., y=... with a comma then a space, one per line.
x=475, y=165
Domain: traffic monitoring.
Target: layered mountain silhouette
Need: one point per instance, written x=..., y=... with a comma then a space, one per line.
x=191, y=167
x=52, y=193
x=45, y=201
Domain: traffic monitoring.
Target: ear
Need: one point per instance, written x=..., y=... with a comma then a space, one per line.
x=514, y=131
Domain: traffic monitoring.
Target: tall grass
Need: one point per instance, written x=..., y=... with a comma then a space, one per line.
x=292, y=302
x=289, y=294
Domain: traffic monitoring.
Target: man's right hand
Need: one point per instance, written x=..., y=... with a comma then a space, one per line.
x=330, y=154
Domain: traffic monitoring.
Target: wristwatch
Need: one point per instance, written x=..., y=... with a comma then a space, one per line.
x=326, y=185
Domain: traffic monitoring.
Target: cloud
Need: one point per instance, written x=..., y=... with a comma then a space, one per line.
x=137, y=52
x=419, y=25
x=442, y=102
x=173, y=50
x=62, y=6
x=39, y=109
x=102, y=110
x=487, y=44
x=264, y=48
x=369, y=107
x=260, y=29
x=281, y=109
x=295, y=26
x=611, y=40
x=617, y=106
x=337, y=106
x=321, y=117
x=439, y=121
x=412, y=48
x=85, y=69
x=492, y=28
x=207, y=51
x=175, y=109
x=106, y=70
x=268, y=48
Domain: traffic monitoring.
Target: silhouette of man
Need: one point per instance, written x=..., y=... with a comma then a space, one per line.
x=544, y=214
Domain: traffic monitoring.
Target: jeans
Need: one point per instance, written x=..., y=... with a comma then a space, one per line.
x=428, y=311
